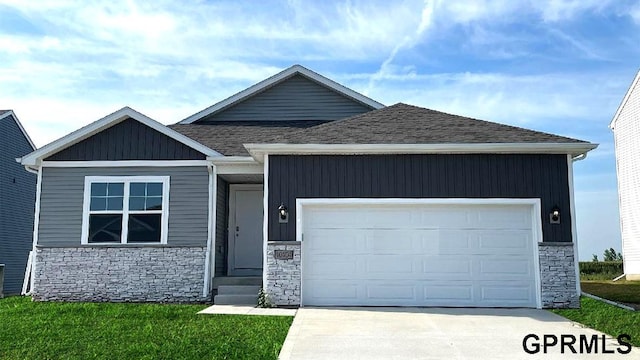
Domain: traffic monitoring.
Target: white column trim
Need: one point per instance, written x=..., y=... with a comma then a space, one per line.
x=265, y=220
x=36, y=224
x=210, y=259
x=574, y=234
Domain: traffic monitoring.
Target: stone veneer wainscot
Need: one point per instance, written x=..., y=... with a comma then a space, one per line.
x=283, y=276
x=558, y=275
x=119, y=274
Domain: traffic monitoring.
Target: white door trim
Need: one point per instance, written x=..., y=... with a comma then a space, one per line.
x=535, y=218
x=233, y=188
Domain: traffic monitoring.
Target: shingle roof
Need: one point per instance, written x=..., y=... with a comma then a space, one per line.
x=228, y=137
x=2, y=112
x=408, y=124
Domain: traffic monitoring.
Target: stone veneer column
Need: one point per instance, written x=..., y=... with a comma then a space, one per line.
x=558, y=275
x=120, y=274
x=283, y=276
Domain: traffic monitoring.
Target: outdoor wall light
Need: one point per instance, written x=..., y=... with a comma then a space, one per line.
x=283, y=214
x=554, y=216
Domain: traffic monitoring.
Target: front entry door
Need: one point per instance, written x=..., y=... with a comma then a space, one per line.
x=245, y=230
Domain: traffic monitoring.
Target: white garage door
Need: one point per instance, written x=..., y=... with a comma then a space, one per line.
x=422, y=254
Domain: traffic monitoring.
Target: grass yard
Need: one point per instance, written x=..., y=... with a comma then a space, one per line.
x=627, y=292
x=39, y=330
x=606, y=318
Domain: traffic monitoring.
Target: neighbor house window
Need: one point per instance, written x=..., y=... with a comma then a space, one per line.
x=125, y=210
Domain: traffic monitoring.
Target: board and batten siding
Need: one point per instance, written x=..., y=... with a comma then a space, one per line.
x=420, y=176
x=296, y=98
x=127, y=140
x=63, y=192
x=222, y=221
x=17, y=205
x=627, y=144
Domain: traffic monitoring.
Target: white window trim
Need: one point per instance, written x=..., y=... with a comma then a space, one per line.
x=88, y=180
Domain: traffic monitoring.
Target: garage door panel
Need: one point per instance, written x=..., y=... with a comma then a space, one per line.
x=505, y=239
x=420, y=255
x=493, y=267
x=435, y=265
x=448, y=293
x=390, y=241
x=392, y=265
x=391, y=292
x=333, y=241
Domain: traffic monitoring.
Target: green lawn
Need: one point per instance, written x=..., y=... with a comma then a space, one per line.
x=39, y=330
x=606, y=318
x=621, y=291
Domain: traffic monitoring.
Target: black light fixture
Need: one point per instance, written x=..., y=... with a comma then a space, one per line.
x=554, y=216
x=283, y=213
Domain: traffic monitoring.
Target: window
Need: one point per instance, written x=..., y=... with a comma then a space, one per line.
x=125, y=210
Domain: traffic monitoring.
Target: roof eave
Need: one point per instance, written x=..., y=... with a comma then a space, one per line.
x=258, y=151
x=275, y=79
x=626, y=97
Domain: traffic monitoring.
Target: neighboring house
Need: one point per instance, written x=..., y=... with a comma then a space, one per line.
x=626, y=134
x=17, y=198
x=315, y=192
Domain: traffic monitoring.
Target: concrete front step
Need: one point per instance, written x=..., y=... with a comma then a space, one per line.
x=235, y=299
x=237, y=280
x=238, y=289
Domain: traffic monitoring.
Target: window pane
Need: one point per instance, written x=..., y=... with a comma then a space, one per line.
x=154, y=203
x=98, y=203
x=137, y=189
x=98, y=189
x=154, y=189
x=105, y=228
x=136, y=203
x=114, y=203
x=115, y=189
x=144, y=228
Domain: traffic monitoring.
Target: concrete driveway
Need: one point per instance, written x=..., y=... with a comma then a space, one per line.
x=437, y=333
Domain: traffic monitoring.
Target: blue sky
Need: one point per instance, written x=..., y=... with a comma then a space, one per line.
x=555, y=66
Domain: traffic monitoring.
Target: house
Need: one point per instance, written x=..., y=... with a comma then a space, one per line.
x=626, y=134
x=313, y=191
x=17, y=198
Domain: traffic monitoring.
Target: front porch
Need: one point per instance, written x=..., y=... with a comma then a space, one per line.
x=237, y=252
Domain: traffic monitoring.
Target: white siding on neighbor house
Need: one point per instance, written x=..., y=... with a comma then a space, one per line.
x=627, y=145
x=63, y=191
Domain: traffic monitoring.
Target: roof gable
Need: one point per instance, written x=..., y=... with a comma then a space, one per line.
x=9, y=114
x=127, y=140
x=634, y=90
x=296, y=93
x=34, y=158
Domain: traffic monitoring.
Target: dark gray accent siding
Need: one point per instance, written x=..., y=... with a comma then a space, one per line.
x=222, y=221
x=420, y=176
x=127, y=140
x=17, y=201
x=63, y=192
x=296, y=98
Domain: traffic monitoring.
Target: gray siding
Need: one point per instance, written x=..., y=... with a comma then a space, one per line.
x=222, y=221
x=128, y=140
x=63, y=192
x=420, y=176
x=17, y=199
x=296, y=98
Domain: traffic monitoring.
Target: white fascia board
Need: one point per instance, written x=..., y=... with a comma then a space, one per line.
x=124, y=163
x=34, y=158
x=275, y=79
x=236, y=165
x=627, y=96
x=11, y=114
x=259, y=150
